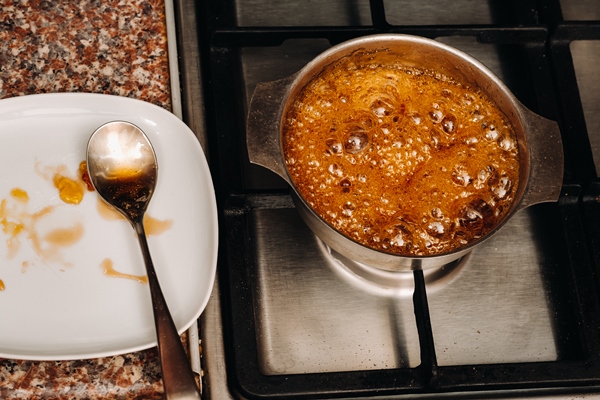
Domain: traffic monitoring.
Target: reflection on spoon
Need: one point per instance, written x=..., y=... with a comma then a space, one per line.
x=108, y=269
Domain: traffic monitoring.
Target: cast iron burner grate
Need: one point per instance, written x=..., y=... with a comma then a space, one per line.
x=536, y=38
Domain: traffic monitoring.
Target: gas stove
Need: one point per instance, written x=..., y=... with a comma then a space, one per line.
x=289, y=318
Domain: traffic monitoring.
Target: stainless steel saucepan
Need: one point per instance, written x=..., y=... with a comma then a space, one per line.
x=540, y=146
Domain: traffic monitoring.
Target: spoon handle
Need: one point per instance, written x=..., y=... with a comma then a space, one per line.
x=178, y=379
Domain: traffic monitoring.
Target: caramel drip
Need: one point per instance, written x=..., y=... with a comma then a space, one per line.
x=18, y=222
x=108, y=269
x=65, y=236
x=71, y=189
x=153, y=226
x=85, y=177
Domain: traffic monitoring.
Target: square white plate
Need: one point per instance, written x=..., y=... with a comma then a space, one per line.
x=59, y=304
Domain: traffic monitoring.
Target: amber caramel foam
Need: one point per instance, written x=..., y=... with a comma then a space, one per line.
x=402, y=160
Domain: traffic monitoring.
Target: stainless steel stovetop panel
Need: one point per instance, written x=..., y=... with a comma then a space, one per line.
x=580, y=10
x=357, y=13
x=586, y=59
x=312, y=318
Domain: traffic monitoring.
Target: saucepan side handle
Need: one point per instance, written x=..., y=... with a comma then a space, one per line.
x=546, y=159
x=263, y=138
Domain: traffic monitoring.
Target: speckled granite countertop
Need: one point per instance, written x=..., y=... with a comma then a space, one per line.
x=112, y=47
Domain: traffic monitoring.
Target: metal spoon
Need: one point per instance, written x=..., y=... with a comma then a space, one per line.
x=123, y=169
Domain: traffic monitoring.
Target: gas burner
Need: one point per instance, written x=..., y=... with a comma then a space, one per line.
x=390, y=283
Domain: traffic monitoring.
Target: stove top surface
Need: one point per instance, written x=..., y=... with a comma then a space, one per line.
x=517, y=316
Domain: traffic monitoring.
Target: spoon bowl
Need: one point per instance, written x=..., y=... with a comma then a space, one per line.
x=123, y=169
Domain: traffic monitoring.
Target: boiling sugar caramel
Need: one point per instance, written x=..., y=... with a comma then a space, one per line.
x=402, y=160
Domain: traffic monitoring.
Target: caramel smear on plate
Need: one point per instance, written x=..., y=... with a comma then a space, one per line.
x=19, y=222
x=19, y=194
x=108, y=269
x=85, y=177
x=153, y=226
x=2, y=287
x=71, y=189
x=21, y=225
x=65, y=236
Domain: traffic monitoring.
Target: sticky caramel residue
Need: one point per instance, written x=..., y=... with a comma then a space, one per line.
x=108, y=269
x=65, y=236
x=19, y=194
x=2, y=286
x=126, y=174
x=85, y=177
x=70, y=188
x=129, y=190
x=399, y=159
x=153, y=226
x=18, y=223
x=107, y=211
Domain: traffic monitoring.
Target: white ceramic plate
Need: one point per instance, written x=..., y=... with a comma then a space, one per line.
x=58, y=303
